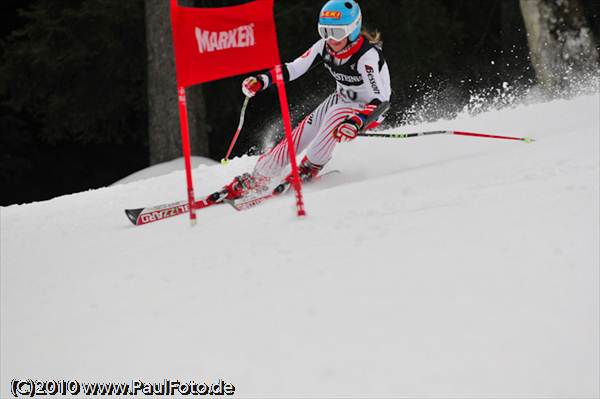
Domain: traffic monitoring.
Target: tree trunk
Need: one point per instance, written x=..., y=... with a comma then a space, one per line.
x=560, y=41
x=164, y=134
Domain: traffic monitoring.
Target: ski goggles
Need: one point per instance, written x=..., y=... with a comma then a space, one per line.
x=337, y=32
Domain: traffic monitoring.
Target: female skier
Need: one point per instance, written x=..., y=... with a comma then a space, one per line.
x=353, y=57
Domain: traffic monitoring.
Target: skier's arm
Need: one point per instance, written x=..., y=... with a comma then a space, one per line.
x=307, y=61
x=377, y=89
x=291, y=70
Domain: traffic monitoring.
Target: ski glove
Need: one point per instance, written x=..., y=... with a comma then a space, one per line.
x=349, y=128
x=253, y=84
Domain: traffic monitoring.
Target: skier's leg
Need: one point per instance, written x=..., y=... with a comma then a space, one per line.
x=320, y=150
x=273, y=162
x=321, y=146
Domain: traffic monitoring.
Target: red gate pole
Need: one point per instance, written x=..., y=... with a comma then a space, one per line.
x=287, y=127
x=185, y=142
x=183, y=123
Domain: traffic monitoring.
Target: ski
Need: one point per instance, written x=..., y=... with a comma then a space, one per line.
x=245, y=203
x=141, y=216
x=248, y=202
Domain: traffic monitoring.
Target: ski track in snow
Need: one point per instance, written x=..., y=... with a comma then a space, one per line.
x=433, y=266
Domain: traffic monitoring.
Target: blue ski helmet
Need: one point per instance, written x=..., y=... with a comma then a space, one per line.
x=340, y=19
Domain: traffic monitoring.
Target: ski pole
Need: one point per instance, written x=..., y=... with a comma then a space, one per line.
x=225, y=160
x=456, y=132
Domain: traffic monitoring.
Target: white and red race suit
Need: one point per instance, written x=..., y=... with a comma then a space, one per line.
x=363, y=82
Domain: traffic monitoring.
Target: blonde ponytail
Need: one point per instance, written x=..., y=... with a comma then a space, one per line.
x=374, y=37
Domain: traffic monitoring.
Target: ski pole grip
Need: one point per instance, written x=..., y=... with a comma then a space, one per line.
x=380, y=110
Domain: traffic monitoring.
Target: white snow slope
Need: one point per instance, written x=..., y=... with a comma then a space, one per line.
x=440, y=266
x=163, y=168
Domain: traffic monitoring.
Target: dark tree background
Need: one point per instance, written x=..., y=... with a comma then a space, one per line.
x=73, y=80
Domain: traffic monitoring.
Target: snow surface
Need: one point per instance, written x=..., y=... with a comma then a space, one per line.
x=164, y=168
x=439, y=266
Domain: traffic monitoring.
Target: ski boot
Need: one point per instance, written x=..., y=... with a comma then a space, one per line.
x=239, y=187
x=306, y=170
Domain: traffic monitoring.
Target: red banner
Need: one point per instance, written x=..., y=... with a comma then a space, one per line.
x=214, y=43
